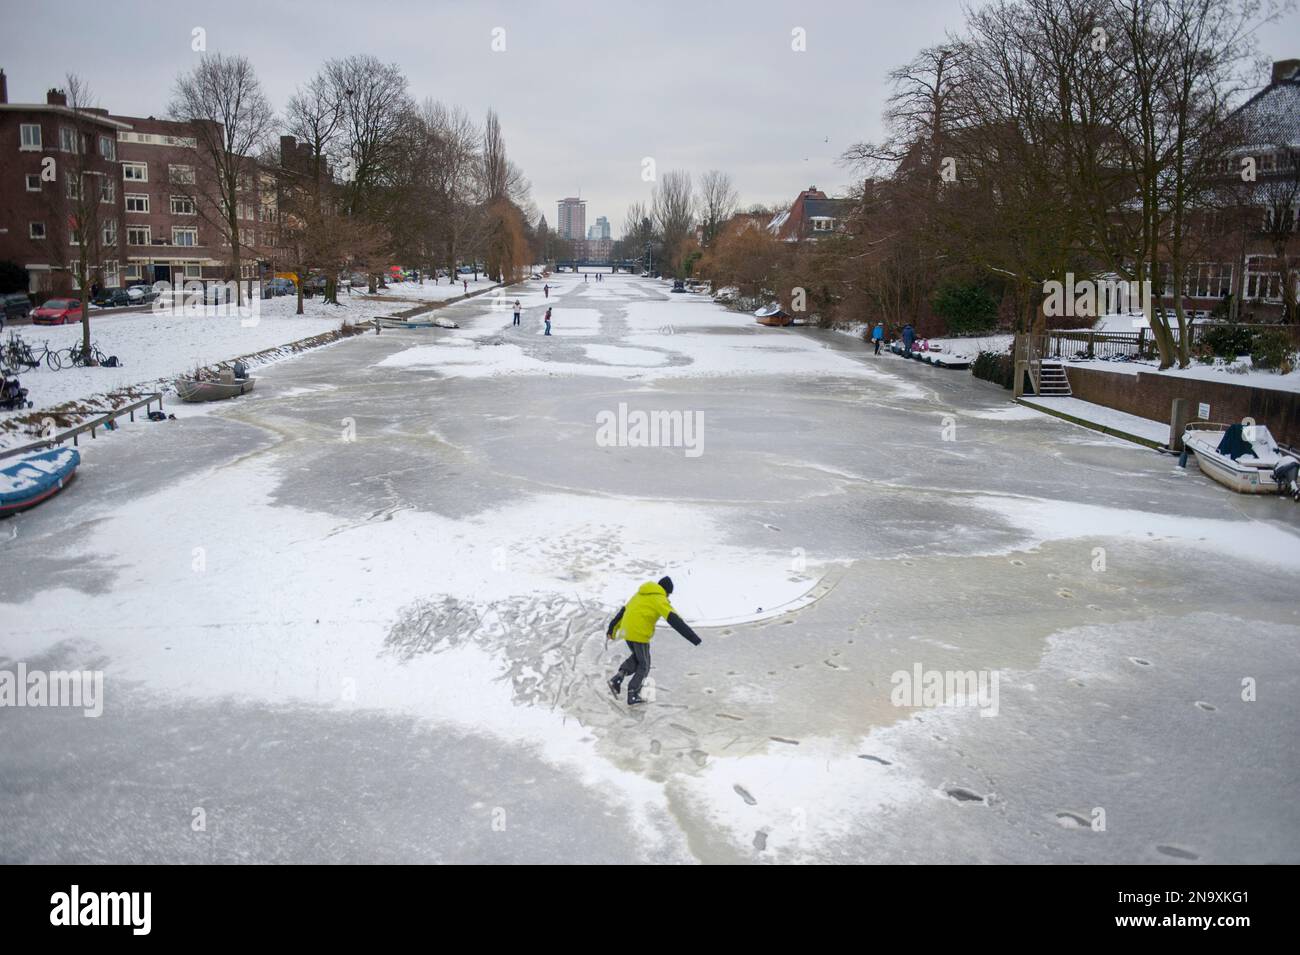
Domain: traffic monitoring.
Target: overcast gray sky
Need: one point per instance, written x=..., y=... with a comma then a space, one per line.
x=585, y=90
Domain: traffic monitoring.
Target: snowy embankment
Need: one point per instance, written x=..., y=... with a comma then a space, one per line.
x=427, y=291
x=154, y=347
x=1238, y=372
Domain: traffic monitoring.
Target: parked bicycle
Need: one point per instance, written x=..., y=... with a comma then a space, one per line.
x=77, y=355
x=19, y=355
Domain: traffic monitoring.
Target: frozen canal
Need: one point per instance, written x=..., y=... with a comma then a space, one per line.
x=359, y=615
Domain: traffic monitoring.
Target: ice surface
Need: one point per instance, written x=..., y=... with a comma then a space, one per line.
x=359, y=615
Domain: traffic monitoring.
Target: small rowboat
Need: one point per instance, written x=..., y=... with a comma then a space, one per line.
x=392, y=321
x=772, y=315
x=34, y=477
x=196, y=389
x=1260, y=465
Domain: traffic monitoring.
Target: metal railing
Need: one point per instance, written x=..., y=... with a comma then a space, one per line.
x=105, y=420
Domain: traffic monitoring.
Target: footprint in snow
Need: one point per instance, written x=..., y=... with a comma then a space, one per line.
x=743, y=793
x=1139, y=661
x=1176, y=852
x=760, y=840
x=961, y=794
x=1208, y=707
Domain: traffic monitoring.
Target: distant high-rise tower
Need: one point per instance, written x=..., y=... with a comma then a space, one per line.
x=600, y=230
x=572, y=223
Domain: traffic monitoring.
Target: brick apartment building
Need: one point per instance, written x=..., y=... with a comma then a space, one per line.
x=165, y=237
x=812, y=214
x=170, y=230
x=161, y=226
x=37, y=227
x=1236, y=245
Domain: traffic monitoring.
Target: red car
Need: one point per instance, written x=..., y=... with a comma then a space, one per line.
x=57, y=311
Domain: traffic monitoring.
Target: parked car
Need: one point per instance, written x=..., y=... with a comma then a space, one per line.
x=14, y=305
x=279, y=287
x=112, y=298
x=315, y=284
x=58, y=311
x=360, y=280
x=678, y=285
x=141, y=294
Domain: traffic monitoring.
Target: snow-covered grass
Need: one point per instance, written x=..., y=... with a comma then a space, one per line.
x=1238, y=372
x=155, y=346
x=428, y=291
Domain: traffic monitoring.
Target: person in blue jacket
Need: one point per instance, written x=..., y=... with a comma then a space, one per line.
x=878, y=335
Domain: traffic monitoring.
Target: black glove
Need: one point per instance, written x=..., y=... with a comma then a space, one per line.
x=681, y=626
x=609, y=631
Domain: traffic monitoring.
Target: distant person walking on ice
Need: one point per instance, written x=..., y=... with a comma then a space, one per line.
x=548, y=321
x=547, y=290
x=877, y=335
x=909, y=336
x=635, y=623
x=465, y=282
x=516, y=321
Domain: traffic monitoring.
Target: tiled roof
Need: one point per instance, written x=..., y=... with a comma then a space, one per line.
x=1272, y=116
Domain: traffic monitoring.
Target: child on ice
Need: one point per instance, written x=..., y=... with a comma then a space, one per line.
x=635, y=623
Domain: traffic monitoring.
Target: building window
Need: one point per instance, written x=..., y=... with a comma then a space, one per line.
x=73, y=187
x=135, y=171
x=137, y=235
x=30, y=134
x=1262, y=283
x=133, y=271
x=181, y=175
x=36, y=230
x=110, y=232
x=182, y=206
x=68, y=139
x=33, y=182
x=188, y=237
x=1212, y=280
x=137, y=202
x=107, y=189
x=243, y=210
x=108, y=148
x=823, y=224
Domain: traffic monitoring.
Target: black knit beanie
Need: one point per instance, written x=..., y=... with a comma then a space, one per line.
x=667, y=584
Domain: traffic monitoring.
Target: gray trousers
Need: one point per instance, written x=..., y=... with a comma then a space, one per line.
x=637, y=665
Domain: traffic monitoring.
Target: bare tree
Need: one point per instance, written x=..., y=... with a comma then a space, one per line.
x=314, y=117
x=375, y=104
x=455, y=175
x=82, y=203
x=718, y=202
x=672, y=208
x=223, y=102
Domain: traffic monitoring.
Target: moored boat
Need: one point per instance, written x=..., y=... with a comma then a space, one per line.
x=34, y=477
x=198, y=389
x=1244, y=458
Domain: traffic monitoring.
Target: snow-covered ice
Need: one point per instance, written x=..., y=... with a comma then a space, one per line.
x=358, y=614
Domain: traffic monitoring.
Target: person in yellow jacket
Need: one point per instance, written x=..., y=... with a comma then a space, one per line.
x=635, y=623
